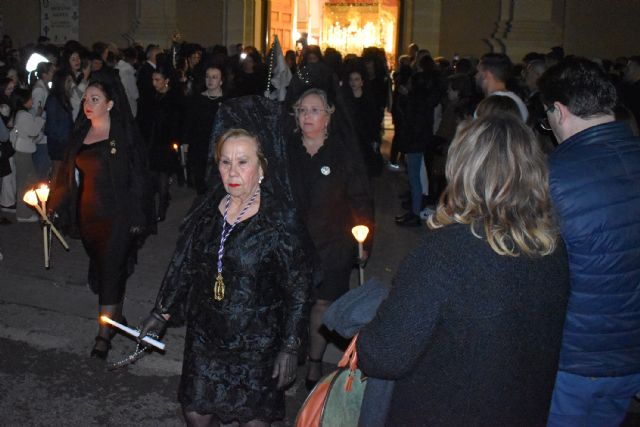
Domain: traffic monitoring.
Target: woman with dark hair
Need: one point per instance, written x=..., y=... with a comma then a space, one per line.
x=80, y=67
x=472, y=327
x=201, y=111
x=427, y=89
x=362, y=112
x=331, y=190
x=59, y=120
x=250, y=78
x=106, y=201
x=160, y=122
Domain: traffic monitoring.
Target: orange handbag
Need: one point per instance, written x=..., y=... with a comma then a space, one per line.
x=336, y=400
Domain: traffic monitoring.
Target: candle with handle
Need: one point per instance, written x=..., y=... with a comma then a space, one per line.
x=158, y=344
x=31, y=198
x=360, y=232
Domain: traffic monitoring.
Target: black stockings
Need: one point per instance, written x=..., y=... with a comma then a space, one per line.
x=318, y=342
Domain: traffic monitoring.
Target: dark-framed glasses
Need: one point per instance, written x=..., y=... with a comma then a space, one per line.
x=544, y=122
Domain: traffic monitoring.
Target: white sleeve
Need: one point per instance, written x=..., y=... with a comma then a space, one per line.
x=27, y=124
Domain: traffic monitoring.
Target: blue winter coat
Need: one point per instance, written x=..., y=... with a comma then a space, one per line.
x=57, y=128
x=595, y=187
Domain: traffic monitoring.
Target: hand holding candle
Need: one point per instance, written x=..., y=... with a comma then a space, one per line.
x=158, y=344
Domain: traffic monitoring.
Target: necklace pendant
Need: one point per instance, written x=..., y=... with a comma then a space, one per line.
x=218, y=289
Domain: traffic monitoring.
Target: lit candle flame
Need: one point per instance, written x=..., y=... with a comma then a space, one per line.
x=30, y=198
x=43, y=192
x=175, y=147
x=360, y=232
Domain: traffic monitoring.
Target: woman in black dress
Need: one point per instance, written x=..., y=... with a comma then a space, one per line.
x=160, y=122
x=239, y=279
x=201, y=112
x=364, y=117
x=331, y=189
x=105, y=200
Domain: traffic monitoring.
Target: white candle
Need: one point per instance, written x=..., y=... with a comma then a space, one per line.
x=133, y=332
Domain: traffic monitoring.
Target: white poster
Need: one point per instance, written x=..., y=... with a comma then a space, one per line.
x=59, y=20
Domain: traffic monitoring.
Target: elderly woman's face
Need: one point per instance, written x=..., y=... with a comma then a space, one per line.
x=240, y=167
x=313, y=117
x=213, y=79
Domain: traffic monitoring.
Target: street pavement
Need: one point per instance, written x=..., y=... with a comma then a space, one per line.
x=48, y=322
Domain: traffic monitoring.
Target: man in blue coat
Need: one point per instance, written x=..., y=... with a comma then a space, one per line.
x=595, y=188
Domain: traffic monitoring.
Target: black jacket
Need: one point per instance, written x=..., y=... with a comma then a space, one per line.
x=472, y=338
x=128, y=172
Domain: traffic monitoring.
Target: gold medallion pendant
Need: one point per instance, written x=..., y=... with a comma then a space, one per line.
x=218, y=289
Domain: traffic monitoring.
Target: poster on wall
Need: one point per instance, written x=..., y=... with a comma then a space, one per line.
x=59, y=20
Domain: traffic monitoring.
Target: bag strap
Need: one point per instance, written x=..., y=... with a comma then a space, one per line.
x=350, y=358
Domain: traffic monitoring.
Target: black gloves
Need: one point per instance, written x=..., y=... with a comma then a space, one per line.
x=285, y=368
x=153, y=324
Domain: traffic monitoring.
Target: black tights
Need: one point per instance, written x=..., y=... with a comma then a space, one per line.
x=195, y=419
x=318, y=341
x=161, y=188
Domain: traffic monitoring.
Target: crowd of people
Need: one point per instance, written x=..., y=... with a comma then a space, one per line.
x=520, y=306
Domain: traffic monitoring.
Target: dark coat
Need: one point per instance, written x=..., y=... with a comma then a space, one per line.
x=425, y=94
x=471, y=338
x=594, y=182
x=364, y=118
x=57, y=127
x=331, y=190
x=231, y=345
x=161, y=125
x=198, y=126
x=145, y=85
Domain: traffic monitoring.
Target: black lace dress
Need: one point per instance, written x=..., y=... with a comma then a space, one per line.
x=231, y=345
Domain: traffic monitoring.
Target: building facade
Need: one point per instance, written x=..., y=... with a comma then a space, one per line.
x=592, y=28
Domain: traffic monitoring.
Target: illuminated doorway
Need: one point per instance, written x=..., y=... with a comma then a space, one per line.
x=348, y=26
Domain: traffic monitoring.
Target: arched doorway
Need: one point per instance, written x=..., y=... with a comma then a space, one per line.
x=348, y=26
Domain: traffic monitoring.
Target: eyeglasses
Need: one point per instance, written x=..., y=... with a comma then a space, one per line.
x=544, y=122
x=313, y=111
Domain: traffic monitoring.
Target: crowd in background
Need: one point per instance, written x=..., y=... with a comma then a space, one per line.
x=427, y=97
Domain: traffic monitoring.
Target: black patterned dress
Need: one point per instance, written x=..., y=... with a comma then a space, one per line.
x=231, y=345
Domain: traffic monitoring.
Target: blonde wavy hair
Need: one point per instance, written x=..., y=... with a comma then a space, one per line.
x=498, y=184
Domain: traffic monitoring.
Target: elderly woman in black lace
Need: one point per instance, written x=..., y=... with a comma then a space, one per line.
x=239, y=280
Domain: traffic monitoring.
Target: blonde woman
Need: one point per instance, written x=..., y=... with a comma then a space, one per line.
x=472, y=327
